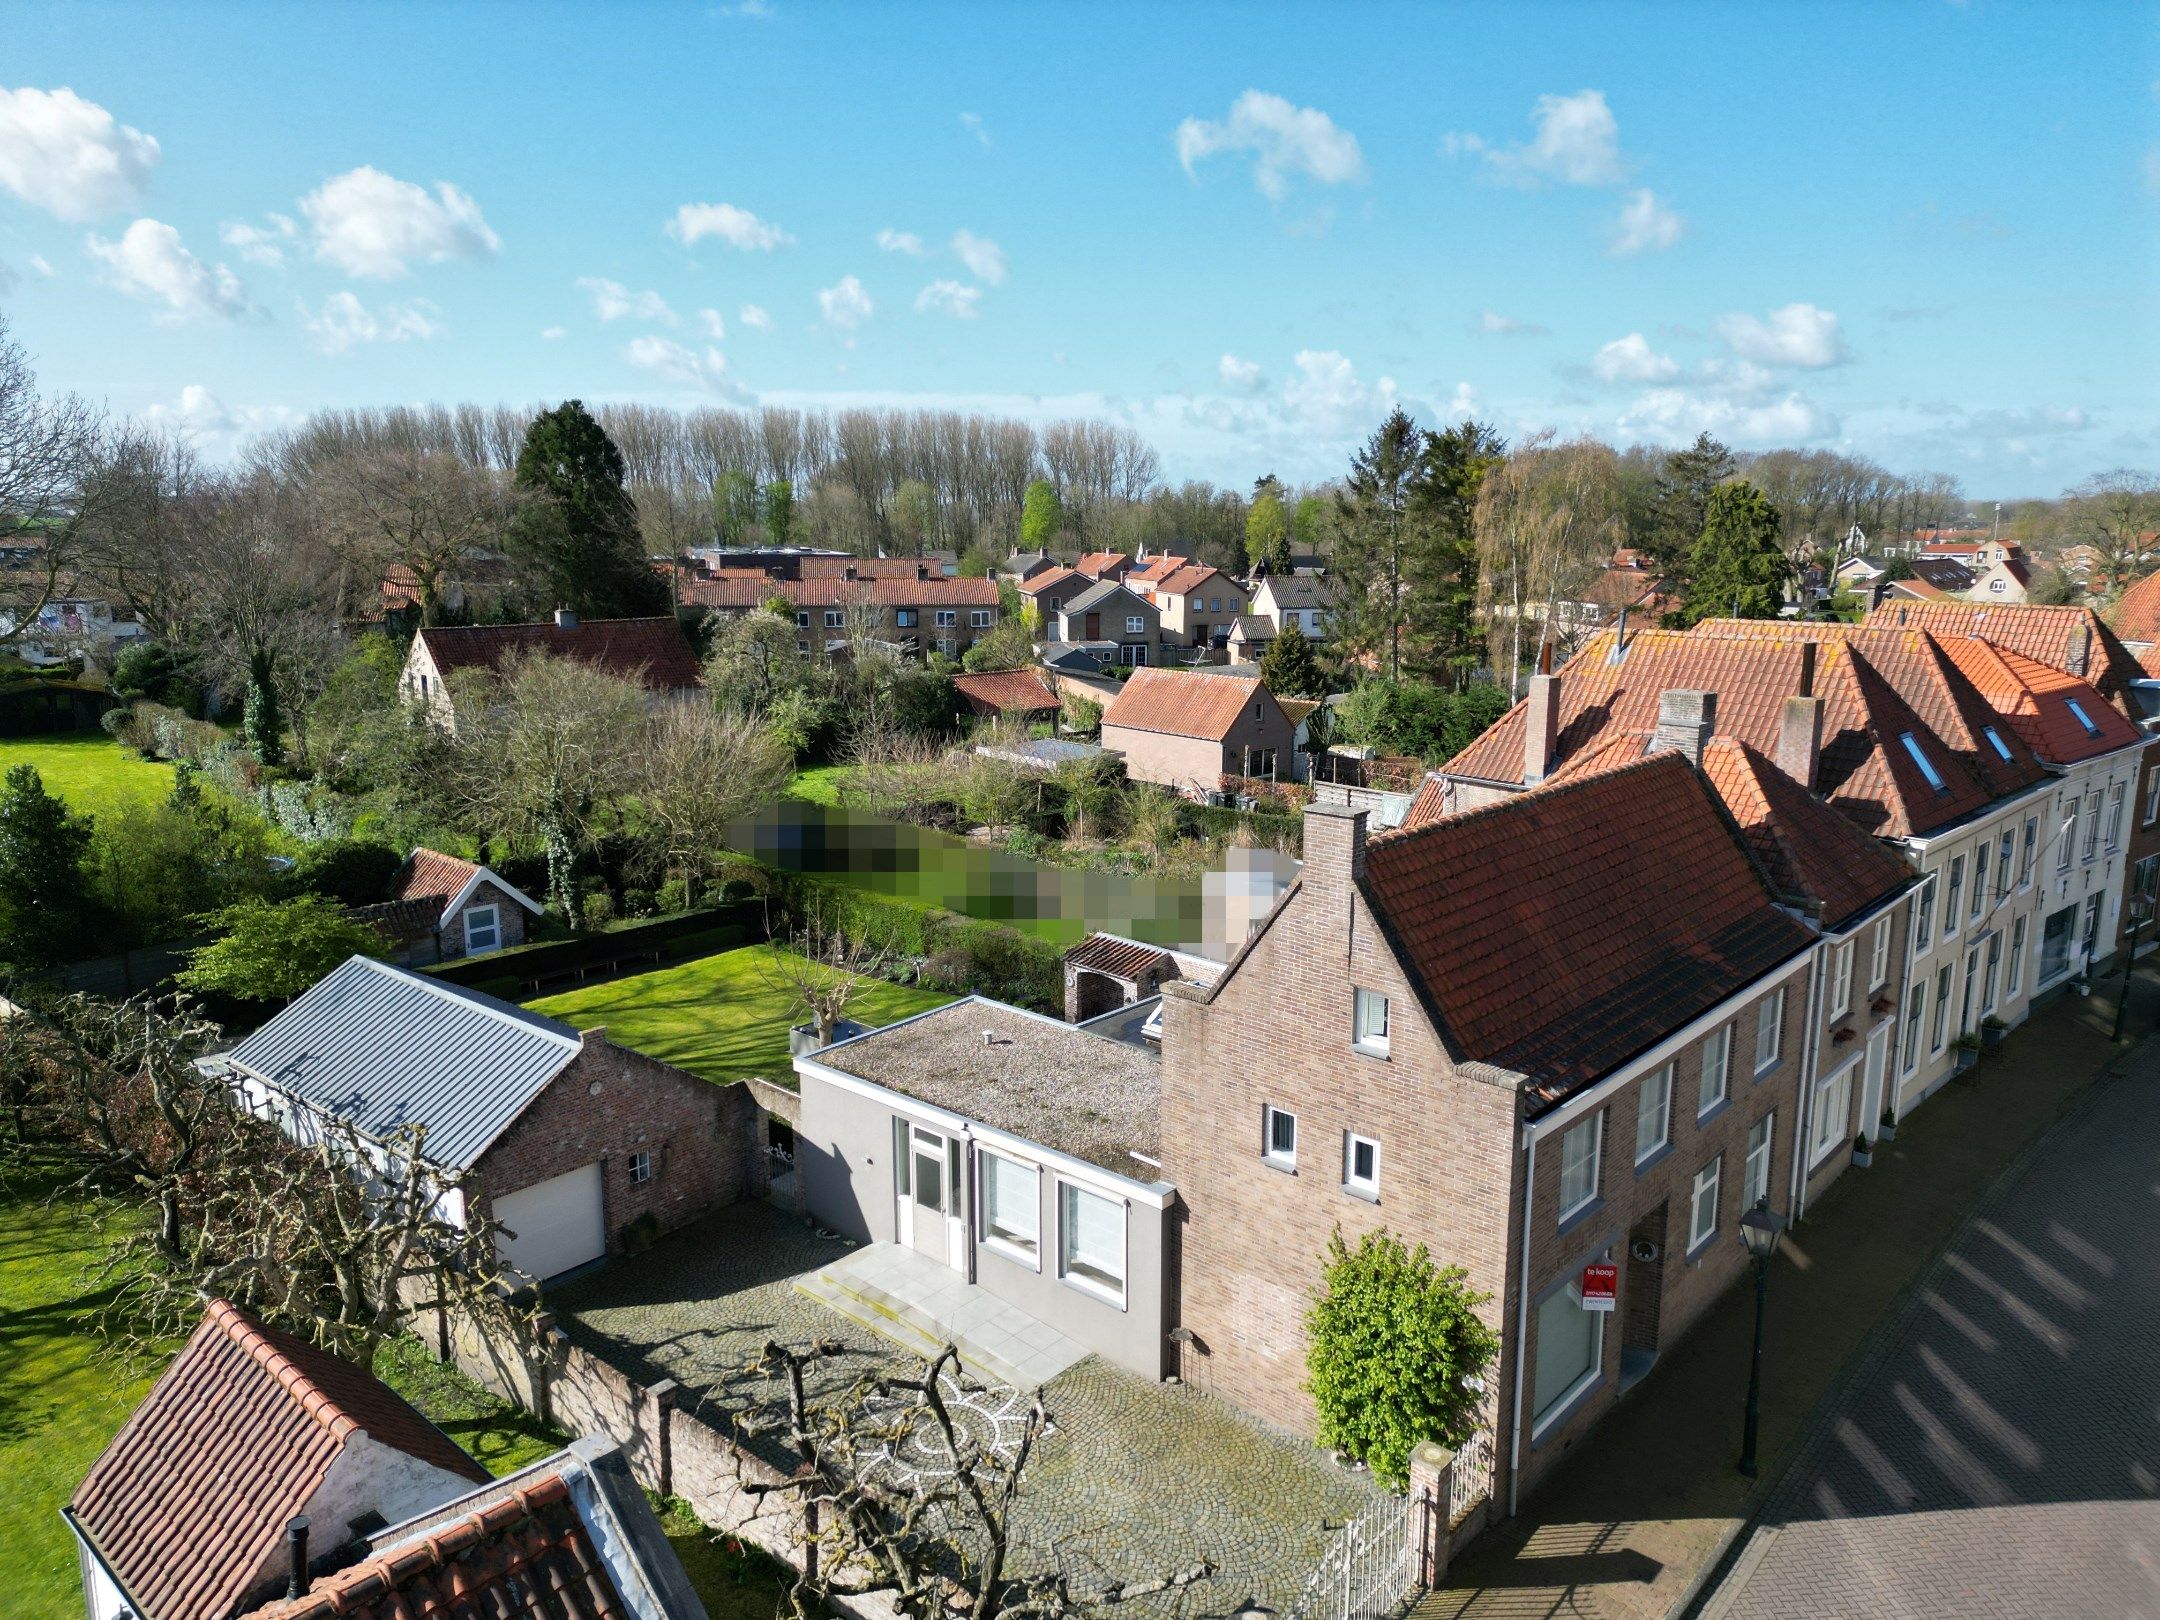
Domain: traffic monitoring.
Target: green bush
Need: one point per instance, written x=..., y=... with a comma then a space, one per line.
x=356, y=871
x=1394, y=1340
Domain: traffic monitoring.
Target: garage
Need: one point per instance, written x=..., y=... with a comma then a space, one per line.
x=560, y=1223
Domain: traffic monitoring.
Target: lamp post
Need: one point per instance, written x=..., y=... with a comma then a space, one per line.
x=1760, y=1229
x=2140, y=909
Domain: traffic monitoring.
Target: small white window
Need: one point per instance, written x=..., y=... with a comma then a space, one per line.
x=1833, y=1112
x=1361, y=1165
x=2077, y=711
x=1939, y=1036
x=1278, y=1137
x=2092, y=824
x=802, y=647
x=2115, y=816
x=1371, y=1030
x=2069, y=837
x=979, y=618
x=2025, y=856
x=1919, y=758
x=1980, y=874
x=640, y=1168
x=1716, y=1068
x=1915, y=1016
x=1703, y=1202
x=2017, y=960
x=1954, y=896
x=1924, y=916
x=2152, y=798
x=833, y=618
x=483, y=928
x=1091, y=1241
x=1579, y=1164
x=1755, y=1175
x=1012, y=1206
x=1653, y=1113
x=1769, y=1029
x=1841, y=979
x=802, y=619
x=1879, y=955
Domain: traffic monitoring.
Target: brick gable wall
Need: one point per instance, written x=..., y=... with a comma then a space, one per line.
x=706, y=1141
x=512, y=916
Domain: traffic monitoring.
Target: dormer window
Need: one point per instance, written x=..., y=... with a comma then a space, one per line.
x=1994, y=738
x=1919, y=758
x=2077, y=709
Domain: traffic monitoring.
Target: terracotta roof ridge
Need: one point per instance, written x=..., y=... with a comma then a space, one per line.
x=248, y=1335
x=1547, y=791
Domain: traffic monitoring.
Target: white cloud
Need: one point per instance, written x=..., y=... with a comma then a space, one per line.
x=947, y=297
x=612, y=301
x=1463, y=404
x=69, y=156
x=150, y=262
x=1798, y=335
x=892, y=241
x=1243, y=375
x=343, y=321
x=845, y=304
x=664, y=357
x=553, y=334
x=368, y=223
x=714, y=323
x=973, y=124
x=755, y=316
x=984, y=258
x=1283, y=140
x=1644, y=224
x=737, y=227
x=1671, y=415
x=1508, y=326
x=1631, y=359
x=1325, y=394
x=43, y=266
x=216, y=430
x=260, y=244
x=1577, y=144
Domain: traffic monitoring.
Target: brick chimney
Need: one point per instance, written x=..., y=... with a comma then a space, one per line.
x=2080, y=659
x=1541, y=728
x=1334, y=849
x=1799, y=743
x=1685, y=721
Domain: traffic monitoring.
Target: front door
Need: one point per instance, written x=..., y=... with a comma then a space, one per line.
x=931, y=1193
x=1871, y=1088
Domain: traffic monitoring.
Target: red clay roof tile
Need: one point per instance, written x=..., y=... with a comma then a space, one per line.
x=652, y=650
x=1006, y=691
x=1186, y=703
x=2074, y=640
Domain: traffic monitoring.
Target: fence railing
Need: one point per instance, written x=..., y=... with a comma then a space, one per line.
x=1470, y=1479
x=1370, y=1570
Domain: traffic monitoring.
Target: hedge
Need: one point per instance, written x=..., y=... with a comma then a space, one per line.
x=506, y=973
x=1223, y=821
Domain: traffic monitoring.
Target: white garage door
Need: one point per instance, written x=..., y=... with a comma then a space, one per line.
x=558, y=1223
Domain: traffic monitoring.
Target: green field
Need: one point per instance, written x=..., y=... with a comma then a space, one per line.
x=63, y=1395
x=724, y=1017
x=92, y=773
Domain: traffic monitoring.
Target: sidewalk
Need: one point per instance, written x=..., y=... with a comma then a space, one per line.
x=1634, y=1523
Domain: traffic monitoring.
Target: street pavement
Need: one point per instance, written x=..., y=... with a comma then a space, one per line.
x=2001, y=1454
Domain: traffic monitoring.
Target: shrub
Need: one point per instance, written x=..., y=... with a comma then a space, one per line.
x=355, y=871
x=674, y=895
x=1394, y=1341
x=273, y=952
x=803, y=723
x=599, y=908
x=639, y=903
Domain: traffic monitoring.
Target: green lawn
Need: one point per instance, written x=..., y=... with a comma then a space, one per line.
x=820, y=784
x=721, y=1016
x=63, y=1395
x=91, y=772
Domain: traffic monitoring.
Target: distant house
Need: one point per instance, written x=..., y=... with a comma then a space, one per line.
x=1049, y=589
x=653, y=651
x=2136, y=614
x=259, y=1463
x=1022, y=566
x=1196, y=732
x=1933, y=578
x=1111, y=612
x=571, y=1138
x=1199, y=605
x=2008, y=580
x=1287, y=599
x=1150, y=572
x=906, y=604
x=1250, y=637
x=1112, y=565
x=441, y=907
x=1021, y=692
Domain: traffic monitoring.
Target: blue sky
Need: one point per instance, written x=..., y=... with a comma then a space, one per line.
x=1924, y=231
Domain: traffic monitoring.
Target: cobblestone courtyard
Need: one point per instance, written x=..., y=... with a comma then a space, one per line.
x=1135, y=1481
x=2004, y=1458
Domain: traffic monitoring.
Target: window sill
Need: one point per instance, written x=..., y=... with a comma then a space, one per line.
x=1541, y=1429
x=1094, y=1291
x=1766, y=1071
x=1018, y=1256
x=1715, y=1109
x=1700, y=1248
x=1657, y=1156
x=1368, y=1049
x=1364, y=1195
x=1578, y=1217
x=1288, y=1167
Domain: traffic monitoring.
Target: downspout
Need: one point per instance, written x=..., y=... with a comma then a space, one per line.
x=1522, y=1330
x=1796, y=1196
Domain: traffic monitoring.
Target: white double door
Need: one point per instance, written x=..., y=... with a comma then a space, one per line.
x=930, y=1192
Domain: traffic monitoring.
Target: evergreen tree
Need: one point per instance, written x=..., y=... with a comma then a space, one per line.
x=1267, y=535
x=779, y=512
x=1738, y=568
x=1379, y=545
x=43, y=913
x=1289, y=668
x=577, y=530
x=1042, y=516
x=1443, y=587
x=260, y=721
x=1682, y=500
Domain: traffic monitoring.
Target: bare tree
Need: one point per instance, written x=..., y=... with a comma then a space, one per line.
x=698, y=772
x=46, y=447
x=822, y=969
x=145, y=493
x=939, y=1540
x=413, y=507
x=2116, y=513
x=1547, y=521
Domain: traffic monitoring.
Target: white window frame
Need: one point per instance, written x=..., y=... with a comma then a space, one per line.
x=1833, y=1112
x=2115, y=817
x=2014, y=978
x=978, y=618
x=2152, y=797
x=1656, y=1086
x=1362, y=1003
x=1281, y=1158
x=1879, y=956
x=1919, y=757
x=948, y=618
x=2092, y=826
x=1025, y=1251
x=2028, y=851
x=492, y=911
x=1594, y=1125
x=1770, y=1022
x=1954, y=896
x=2067, y=853
x=1980, y=877
x=1713, y=1083
x=1135, y=624
x=1939, y=1037
x=1356, y=1185
x=1915, y=1021
x=1841, y=965
x=1924, y=915
x=1755, y=1168
x=1709, y=1179
x=640, y=1168
x=1074, y=1279
x=1563, y=1401
x=834, y=619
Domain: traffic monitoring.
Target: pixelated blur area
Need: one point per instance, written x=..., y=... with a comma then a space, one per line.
x=1210, y=914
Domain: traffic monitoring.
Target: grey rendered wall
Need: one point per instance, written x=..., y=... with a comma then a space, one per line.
x=843, y=1152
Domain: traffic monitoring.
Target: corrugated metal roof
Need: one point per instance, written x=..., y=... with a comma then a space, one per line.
x=385, y=1048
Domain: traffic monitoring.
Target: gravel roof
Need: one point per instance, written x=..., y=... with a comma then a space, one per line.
x=1037, y=1077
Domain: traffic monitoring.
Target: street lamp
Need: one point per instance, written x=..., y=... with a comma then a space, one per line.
x=1760, y=1229
x=2140, y=914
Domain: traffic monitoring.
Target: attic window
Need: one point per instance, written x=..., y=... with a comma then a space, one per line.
x=2083, y=718
x=1995, y=737
x=1919, y=758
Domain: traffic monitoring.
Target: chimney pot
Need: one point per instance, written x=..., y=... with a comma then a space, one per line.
x=566, y=618
x=1799, y=748
x=1685, y=722
x=1541, y=728
x=296, y=1539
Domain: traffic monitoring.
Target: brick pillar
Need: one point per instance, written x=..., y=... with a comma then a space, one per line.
x=1432, y=1478
x=661, y=1399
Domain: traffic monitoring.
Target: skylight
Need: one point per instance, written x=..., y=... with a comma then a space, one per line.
x=1995, y=737
x=2083, y=718
x=1919, y=758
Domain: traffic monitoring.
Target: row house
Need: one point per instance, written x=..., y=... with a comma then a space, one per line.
x=1563, y=1031
x=1199, y=605
x=913, y=608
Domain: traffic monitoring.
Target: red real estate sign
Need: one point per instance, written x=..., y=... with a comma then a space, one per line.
x=1600, y=1286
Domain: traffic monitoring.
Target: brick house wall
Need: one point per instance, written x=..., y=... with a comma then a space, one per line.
x=512, y=918
x=706, y=1140
x=1199, y=764
x=1191, y=618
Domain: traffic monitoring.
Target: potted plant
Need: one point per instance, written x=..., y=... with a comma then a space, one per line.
x=1886, y=1131
x=1992, y=1031
x=1968, y=1054
x=1863, y=1154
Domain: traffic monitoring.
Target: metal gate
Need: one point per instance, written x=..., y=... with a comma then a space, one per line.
x=1370, y=1569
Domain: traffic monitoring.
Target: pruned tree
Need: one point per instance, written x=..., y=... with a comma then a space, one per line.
x=939, y=1541
x=698, y=772
x=822, y=968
